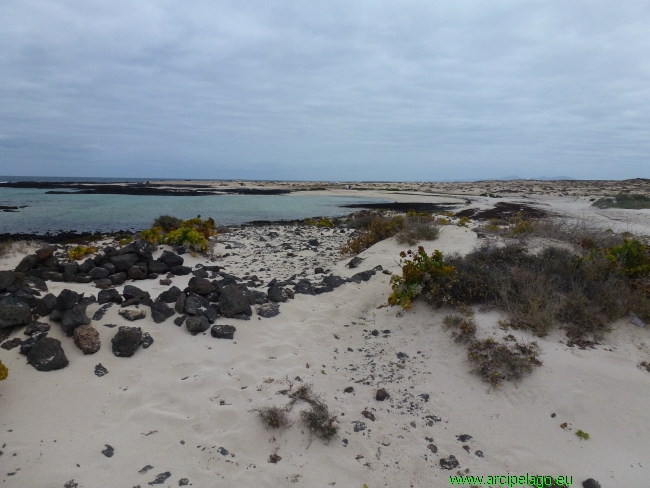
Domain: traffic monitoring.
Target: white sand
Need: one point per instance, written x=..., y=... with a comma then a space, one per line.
x=163, y=407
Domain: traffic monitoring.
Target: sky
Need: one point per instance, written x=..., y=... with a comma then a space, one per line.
x=333, y=90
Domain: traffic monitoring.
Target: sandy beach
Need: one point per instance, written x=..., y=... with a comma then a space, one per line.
x=180, y=411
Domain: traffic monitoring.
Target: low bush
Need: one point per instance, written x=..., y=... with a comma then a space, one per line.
x=624, y=200
x=4, y=372
x=416, y=229
x=379, y=228
x=167, y=223
x=192, y=233
x=583, y=292
x=496, y=362
x=325, y=222
x=79, y=252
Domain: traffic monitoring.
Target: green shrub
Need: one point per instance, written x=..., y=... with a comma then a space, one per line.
x=79, y=252
x=186, y=237
x=167, y=223
x=193, y=233
x=624, y=200
x=4, y=372
x=632, y=257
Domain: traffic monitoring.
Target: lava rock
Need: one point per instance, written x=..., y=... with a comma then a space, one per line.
x=100, y=370
x=278, y=294
x=133, y=314
x=9, y=278
x=118, y=278
x=223, y=331
x=47, y=355
x=109, y=451
x=74, y=318
x=233, y=302
x=268, y=310
x=304, y=287
x=160, y=478
x=45, y=305
x=333, y=281
x=87, y=339
x=449, y=463
x=179, y=320
x=10, y=344
x=381, y=394
x=67, y=299
x=157, y=266
x=147, y=340
x=14, y=312
x=138, y=271
x=180, y=303
x=99, y=314
x=27, y=263
x=37, y=328
x=99, y=273
x=200, y=286
x=69, y=272
x=314, y=242
x=171, y=259
x=348, y=389
x=110, y=267
x=126, y=341
x=102, y=283
x=124, y=261
x=45, y=252
x=362, y=276
x=192, y=306
x=197, y=324
x=354, y=262
x=590, y=483
x=181, y=270
x=109, y=296
x=161, y=312
x=131, y=292
x=86, y=266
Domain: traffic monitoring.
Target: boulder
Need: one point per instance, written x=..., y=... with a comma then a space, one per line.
x=124, y=261
x=74, y=318
x=45, y=252
x=223, y=331
x=87, y=266
x=52, y=276
x=88, y=279
x=161, y=312
x=171, y=259
x=118, y=279
x=110, y=267
x=180, y=303
x=133, y=314
x=170, y=295
x=157, y=266
x=314, y=242
x=363, y=276
x=333, y=281
x=138, y=271
x=47, y=355
x=109, y=296
x=192, y=306
x=56, y=315
x=27, y=263
x=197, y=324
x=200, y=273
x=256, y=297
x=102, y=283
x=126, y=341
x=37, y=283
x=67, y=299
x=210, y=313
x=200, y=286
x=181, y=270
x=99, y=273
x=304, y=287
x=87, y=339
x=14, y=312
x=69, y=272
x=268, y=310
x=131, y=291
x=233, y=302
x=278, y=294
x=9, y=278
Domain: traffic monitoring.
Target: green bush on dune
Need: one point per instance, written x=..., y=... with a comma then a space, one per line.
x=624, y=200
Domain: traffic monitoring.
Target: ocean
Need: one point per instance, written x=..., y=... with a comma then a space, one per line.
x=110, y=213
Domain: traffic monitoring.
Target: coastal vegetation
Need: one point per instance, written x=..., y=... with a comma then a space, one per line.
x=192, y=233
x=79, y=252
x=624, y=200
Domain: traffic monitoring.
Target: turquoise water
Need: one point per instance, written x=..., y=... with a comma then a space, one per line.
x=108, y=213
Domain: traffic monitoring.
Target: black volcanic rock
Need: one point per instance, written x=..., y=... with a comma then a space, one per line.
x=47, y=355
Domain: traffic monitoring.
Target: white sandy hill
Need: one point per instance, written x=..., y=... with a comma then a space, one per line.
x=183, y=405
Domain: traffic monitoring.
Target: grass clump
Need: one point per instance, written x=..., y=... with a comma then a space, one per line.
x=79, y=252
x=274, y=416
x=624, y=200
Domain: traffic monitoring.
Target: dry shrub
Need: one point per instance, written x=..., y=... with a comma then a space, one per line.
x=496, y=362
x=274, y=416
x=380, y=228
x=320, y=421
x=464, y=328
x=417, y=229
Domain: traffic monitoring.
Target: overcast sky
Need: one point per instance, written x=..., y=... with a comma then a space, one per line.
x=335, y=90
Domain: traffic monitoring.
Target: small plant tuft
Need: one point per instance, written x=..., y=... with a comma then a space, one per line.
x=4, y=372
x=274, y=416
x=582, y=435
x=319, y=420
x=79, y=252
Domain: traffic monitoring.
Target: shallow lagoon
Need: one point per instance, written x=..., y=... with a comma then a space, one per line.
x=108, y=213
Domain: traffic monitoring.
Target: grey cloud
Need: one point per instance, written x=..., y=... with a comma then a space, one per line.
x=341, y=90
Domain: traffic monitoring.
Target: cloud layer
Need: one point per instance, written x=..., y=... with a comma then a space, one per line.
x=369, y=90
